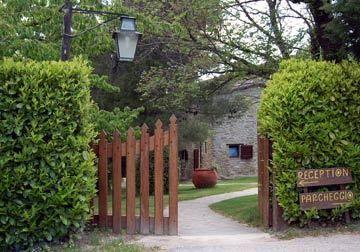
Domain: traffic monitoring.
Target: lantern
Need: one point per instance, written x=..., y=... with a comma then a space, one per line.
x=126, y=39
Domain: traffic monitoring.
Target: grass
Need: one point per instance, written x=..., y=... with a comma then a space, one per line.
x=187, y=191
x=97, y=240
x=242, y=209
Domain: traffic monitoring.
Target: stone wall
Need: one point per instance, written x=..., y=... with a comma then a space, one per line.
x=241, y=130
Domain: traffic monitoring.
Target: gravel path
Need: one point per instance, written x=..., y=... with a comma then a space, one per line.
x=201, y=229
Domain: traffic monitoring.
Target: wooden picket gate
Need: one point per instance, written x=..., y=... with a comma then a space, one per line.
x=269, y=209
x=133, y=149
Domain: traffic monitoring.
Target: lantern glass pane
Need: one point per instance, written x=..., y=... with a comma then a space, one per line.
x=128, y=24
x=127, y=42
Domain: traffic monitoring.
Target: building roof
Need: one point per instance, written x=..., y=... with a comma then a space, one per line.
x=248, y=83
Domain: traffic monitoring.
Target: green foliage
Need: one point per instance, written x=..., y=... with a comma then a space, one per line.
x=102, y=83
x=194, y=130
x=168, y=89
x=335, y=31
x=47, y=175
x=182, y=41
x=311, y=111
x=345, y=26
x=32, y=30
x=117, y=119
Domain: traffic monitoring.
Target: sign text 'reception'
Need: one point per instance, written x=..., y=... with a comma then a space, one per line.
x=324, y=176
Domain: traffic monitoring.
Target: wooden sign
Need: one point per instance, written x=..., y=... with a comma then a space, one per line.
x=325, y=200
x=324, y=176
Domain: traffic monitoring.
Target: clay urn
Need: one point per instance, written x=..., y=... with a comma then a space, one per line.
x=204, y=178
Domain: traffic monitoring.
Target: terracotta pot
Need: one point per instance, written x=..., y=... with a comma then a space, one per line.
x=204, y=178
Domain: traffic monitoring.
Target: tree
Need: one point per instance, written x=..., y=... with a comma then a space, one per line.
x=253, y=36
x=336, y=28
x=217, y=33
x=190, y=49
x=345, y=27
x=33, y=29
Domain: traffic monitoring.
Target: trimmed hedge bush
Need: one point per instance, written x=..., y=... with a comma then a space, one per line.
x=47, y=176
x=311, y=112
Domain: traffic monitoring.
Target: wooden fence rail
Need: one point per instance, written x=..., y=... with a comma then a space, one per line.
x=134, y=149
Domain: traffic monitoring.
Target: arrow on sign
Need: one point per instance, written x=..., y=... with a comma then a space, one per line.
x=303, y=182
x=339, y=203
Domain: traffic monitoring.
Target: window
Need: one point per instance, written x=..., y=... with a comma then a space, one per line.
x=234, y=150
x=246, y=151
x=242, y=151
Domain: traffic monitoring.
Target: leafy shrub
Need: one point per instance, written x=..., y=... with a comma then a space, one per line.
x=115, y=120
x=311, y=112
x=47, y=176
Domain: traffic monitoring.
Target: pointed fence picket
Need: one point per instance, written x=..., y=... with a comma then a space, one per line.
x=159, y=174
x=116, y=171
x=134, y=150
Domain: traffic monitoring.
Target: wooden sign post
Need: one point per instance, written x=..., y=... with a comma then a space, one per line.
x=325, y=177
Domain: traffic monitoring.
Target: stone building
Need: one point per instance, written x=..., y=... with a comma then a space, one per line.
x=232, y=149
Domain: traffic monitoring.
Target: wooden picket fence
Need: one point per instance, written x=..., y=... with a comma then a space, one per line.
x=133, y=149
x=269, y=209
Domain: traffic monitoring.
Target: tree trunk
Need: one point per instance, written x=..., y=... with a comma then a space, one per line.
x=322, y=18
x=314, y=45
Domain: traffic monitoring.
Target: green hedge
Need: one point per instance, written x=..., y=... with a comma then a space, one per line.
x=311, y=111
x=47, y=176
